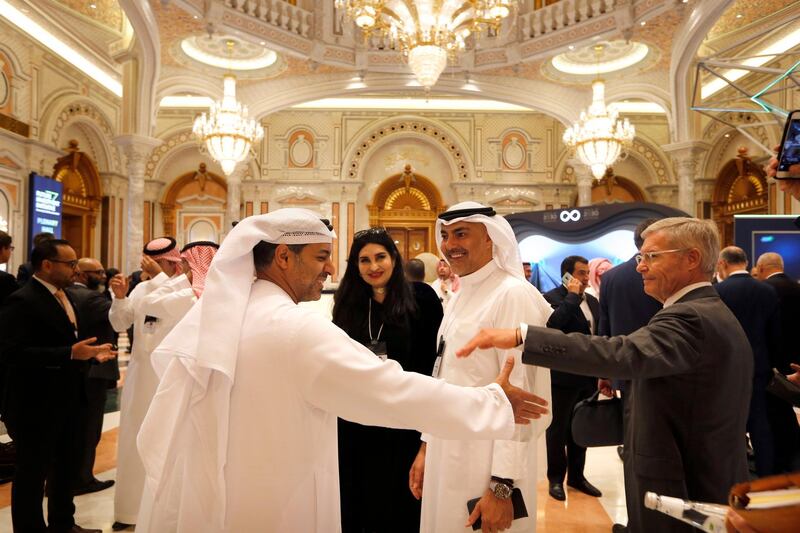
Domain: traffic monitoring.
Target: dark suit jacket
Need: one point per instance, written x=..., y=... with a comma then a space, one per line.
x=24, y=273
x=569, y=318
x=7, y=285
x=43, y=383
x=789, y=302
x=692, y=371
x=624, y=306
x=92, y=308
x=755, y=305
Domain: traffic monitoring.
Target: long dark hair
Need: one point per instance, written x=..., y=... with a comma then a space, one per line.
x=350, y=301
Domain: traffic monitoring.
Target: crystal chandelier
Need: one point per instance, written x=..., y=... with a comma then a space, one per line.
x=599, y=136
x=426, y=31
x=226, y=131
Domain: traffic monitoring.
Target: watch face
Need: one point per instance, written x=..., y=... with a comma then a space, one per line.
x=502, y=491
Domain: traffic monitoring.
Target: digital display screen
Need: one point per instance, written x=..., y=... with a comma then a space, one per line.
x=784, y=243
x=46, y=196
x=546, y=254
x=790, y=151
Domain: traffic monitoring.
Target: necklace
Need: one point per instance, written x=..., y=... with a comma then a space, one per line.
x=379, y=290
x=373, y=341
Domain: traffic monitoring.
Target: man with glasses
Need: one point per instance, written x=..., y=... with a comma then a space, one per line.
x=8, y=283
x=93, y=307
x=45, y=363
x=691, y=371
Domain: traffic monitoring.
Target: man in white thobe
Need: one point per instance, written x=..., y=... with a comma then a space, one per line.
x=161, y=261
x=241, y=435
x=446, y=283
x=482, y=250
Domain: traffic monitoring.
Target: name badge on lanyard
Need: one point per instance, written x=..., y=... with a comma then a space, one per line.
x=378, y=348
x=437, y=365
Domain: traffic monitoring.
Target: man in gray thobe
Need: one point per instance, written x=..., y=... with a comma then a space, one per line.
x=691, y=368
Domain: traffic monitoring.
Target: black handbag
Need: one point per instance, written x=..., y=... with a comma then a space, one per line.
x=597, y=422
x=783, y=388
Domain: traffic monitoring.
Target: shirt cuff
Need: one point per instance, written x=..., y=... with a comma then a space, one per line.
x=523, y=332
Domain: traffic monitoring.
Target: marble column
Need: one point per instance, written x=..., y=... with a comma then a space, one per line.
x=137, y=149
x=233, y=204
x=687, y=157
x=583, y=180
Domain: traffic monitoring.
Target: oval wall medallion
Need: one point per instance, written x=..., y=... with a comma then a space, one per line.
x=514, y=154
x=301, y=152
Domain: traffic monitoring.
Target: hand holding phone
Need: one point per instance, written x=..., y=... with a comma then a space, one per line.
x=789, y=149
x=566, y=278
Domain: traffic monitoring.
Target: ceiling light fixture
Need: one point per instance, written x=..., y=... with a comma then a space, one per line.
x=226, y=132
x=428, y=32
x=598, y=136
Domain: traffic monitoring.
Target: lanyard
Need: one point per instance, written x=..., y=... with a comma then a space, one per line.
x=369, y=325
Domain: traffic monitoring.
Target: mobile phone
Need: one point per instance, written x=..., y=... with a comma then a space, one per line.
x=566, y=278
x=789, y=153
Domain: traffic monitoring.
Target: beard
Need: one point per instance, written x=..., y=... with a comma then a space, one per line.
x=93, y=283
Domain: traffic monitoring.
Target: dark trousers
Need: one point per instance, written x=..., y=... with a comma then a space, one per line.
x=758, y=426
x=564, y=457
x=786, y=434
x=44, y=452
x=92, y=428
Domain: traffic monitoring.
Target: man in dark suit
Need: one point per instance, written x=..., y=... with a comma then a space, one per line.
x=44, y=388
x=574, y=311
x=784, y=424
x=624, y=308
x=7, y=282
x=93, y=307
x=691, y=369
x=755, y=305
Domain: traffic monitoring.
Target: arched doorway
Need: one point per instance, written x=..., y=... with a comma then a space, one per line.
x=194, y=206
x=616, y=189
x=741, y=188
x=82, y=198
x=407, y=204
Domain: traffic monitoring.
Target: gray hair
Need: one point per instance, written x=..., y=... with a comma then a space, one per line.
x=733, y=255
x=684, y=232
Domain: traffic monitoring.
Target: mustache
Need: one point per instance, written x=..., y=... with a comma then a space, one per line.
x=456, y=251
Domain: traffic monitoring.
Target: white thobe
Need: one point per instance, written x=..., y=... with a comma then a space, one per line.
x=295, y=373
x=140, y=382
x=457, y=471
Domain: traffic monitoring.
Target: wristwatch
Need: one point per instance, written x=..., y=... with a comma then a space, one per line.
x=501, y=489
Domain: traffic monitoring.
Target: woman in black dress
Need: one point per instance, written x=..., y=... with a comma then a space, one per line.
x=375, y=306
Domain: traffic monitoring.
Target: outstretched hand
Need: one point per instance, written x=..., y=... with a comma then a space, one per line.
x=83, y=351
x=490, y=338
x=527, y=406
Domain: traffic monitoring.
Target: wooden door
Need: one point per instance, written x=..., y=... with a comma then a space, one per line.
x=410, y=241
x=72, y=230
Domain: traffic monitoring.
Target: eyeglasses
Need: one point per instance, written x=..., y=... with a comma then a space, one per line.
x=99, y=271
x=648, y=257
x=72, y=264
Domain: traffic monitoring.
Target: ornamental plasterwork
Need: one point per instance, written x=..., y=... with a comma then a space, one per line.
x=181, y=138
x=656, y=163
x=89, y=111
x=733, y=118
x=410, y=126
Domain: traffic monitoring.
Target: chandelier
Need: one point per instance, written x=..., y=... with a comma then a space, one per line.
x=427, y=32
x=599, y=136
x=226, y=131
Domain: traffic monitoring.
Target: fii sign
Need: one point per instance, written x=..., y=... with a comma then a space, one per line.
x=45, y=198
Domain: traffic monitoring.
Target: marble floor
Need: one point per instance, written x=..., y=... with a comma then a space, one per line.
x=579, y=514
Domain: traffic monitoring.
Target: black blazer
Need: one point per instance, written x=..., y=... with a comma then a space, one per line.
x=92, y=309
x=755, y=305
x=43, y=383
x=24, y=273
x=7, y=285
x=624, y=306
x=789, y=303
x=569, y=318
x=691, y=369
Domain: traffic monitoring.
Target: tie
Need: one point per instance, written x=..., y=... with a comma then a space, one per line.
x=62, y=299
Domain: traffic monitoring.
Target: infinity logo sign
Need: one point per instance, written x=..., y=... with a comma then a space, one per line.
x=574, y=215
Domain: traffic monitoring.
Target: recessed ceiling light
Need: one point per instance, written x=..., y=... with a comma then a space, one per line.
x=93, y=6
x=739, y=15
x=195, y=17
x=262, y=43
x=642, y=23
x=727, y=135
x=571, y=47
